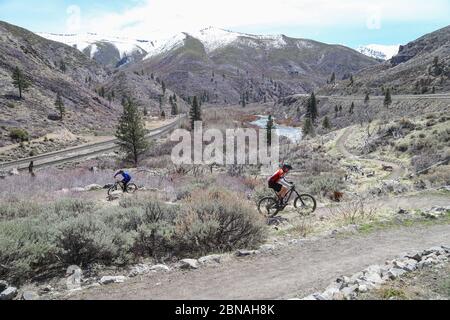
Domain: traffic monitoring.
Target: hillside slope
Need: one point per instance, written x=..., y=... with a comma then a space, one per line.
x=420, y=66
x=223, y=66
x=43, y=61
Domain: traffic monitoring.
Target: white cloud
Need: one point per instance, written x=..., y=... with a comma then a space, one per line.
x=73, y=22
x=154, y=19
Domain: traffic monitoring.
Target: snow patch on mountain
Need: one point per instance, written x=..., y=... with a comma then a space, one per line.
x=82, y=41
x=378, y=51
x=214, y=38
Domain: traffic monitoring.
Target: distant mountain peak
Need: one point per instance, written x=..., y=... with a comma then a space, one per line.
x=377, y=51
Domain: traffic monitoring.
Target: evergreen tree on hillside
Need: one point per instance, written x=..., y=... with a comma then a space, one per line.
x=195, y=113
x=163, y=84
x=62, y=66
x=60, y=106
x=367, y=99
x=333, y=78
x=326, y=123
x=269, y=127
x=312, y=112
x=131, y=132
x=352, y=108
x=308, y=127
x=101, y=92
x=20, y=81
x=387, y=98
x=174, y=108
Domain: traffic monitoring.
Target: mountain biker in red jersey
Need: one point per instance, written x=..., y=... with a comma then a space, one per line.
x=278, y=182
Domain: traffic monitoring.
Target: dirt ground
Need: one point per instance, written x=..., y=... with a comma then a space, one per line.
x=292, y=271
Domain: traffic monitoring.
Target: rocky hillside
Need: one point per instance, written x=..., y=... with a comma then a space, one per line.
x=51, y=68
x=224, y=66
x=90, y=91
x=421, y=66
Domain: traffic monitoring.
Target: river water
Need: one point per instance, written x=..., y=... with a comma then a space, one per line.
x=293, y=134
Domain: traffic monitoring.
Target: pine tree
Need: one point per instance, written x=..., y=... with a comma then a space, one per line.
x=195, y=113
x=336, y=110
x=351, y=80
x=163, y=87
x=131, y=132
x=62, y=66
x=60, y=106
x=352, y=107
x=308, y=126
x=174, y=109
x=163, y=114
x=387, y=98
x=333, y=78
x=326, y=123
x=101, y=92
x=312, y=108
x=243, y=101
x=269, y=127
x=20, y=81
x=366, y=99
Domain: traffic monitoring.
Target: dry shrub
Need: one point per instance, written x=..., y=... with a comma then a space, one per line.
x=218, y=220
x=353, y=212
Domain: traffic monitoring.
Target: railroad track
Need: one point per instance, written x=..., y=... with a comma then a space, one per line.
x=81, y=152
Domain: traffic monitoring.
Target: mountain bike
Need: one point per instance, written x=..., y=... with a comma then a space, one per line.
x=305, y=204
x=131, y=188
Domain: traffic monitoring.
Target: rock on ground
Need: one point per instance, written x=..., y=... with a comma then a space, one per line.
x=189, y=264
x=112, y=279
x=8, y=294
x=160, y=267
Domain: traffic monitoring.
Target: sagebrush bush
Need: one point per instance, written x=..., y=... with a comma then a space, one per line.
x=18, y=134
x=83, y=240
x=324, y=184
x=36, y=239
x=218, y=220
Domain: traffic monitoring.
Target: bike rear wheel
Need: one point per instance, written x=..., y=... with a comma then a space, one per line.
x=305, y=204
x=268, y=206
x=132, y=188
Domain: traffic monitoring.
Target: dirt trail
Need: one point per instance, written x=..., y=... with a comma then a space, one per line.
x=398, y=171
x=294, y=271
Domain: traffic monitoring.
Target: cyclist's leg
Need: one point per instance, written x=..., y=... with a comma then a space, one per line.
x=123, y=185
x=283, y=192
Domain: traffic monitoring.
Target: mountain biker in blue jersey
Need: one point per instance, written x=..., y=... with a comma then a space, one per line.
x=126, y=178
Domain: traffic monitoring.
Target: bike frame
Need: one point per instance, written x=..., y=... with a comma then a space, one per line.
x=288, y=196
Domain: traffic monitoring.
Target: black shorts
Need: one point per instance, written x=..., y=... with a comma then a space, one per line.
x=275, y=186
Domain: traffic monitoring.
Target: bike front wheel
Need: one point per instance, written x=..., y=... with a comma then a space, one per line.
x=268, y=206
x=132, y=188
x=112, y=189
x=305, y=204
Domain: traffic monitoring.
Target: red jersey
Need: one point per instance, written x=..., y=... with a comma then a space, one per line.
x=277, y=176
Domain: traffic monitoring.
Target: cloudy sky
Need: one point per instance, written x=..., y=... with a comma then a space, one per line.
x=348, y=22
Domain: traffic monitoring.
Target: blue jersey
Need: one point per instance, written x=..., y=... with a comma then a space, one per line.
x=125, y=175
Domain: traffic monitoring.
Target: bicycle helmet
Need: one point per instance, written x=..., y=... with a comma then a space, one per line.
x=287, y=167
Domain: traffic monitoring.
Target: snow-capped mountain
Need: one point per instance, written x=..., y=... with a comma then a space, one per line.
x=214, y=38
x=113, y=51
x=378, y=51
